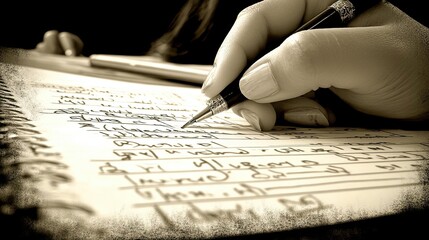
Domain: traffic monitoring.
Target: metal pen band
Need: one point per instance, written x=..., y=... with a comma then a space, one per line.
x=217, y=104
x=345, y=8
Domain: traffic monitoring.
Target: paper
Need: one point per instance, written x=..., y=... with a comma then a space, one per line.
x=118, y=158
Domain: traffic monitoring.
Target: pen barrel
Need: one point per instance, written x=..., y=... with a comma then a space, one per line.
x=232, y=94
x=326, y=19
x=338, y=14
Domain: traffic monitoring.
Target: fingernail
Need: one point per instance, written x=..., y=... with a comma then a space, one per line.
x=259, y=83
x=70, y=52
x=208, y=82
x=306, y=116
x=252, y=118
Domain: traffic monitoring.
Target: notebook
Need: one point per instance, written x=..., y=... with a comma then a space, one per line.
x=96, y=158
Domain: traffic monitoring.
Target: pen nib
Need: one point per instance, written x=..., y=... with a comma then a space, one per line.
x=189, y=123
x=200, y=116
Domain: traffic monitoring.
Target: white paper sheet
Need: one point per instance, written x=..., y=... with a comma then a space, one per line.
x=115, y=153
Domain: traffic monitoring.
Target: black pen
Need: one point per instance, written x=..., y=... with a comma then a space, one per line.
x=336, y=15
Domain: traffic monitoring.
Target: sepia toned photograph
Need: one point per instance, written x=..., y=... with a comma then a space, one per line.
x=214, y=119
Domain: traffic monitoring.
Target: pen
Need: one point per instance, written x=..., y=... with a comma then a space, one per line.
x=336, y=15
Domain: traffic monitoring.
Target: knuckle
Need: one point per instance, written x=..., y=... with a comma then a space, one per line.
x=50, y=33
x=251, y=11
x=63, y=35
x=299, y=51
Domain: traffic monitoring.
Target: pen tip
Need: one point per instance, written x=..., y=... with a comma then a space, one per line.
x=203, y=114
x=188, y=123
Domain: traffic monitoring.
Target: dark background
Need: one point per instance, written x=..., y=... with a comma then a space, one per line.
x=123, y=27
x=112, y=27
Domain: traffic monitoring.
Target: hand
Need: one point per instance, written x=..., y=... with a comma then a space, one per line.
x=63, y=43
x=378, y=65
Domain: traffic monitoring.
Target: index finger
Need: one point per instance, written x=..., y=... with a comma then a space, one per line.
x=254, y=27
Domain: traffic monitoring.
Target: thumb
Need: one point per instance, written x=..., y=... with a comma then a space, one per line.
x=320, y=58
